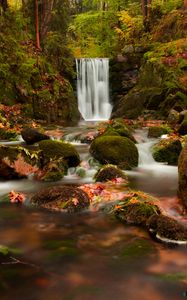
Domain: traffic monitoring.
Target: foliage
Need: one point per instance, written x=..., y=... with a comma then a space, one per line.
x=166, y=6
x=131, y=27
x=92, y=34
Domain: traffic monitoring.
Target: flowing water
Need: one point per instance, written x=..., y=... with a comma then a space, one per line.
x=93, y=88
x=90, y=256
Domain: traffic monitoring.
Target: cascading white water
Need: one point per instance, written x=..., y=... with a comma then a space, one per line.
x=93, y=88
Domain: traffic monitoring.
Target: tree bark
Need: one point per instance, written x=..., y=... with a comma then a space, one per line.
x=37, y=25
x=146, y=7
x=46, y=16
x=185, y=4
x=4, y=4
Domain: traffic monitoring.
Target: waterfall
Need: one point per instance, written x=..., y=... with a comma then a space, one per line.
x=93, y=88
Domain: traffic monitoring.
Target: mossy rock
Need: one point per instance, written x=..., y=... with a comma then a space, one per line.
x=116, y=150
x=183, y=126
x=54, y=170
x=109, y=172
x=62, y=198
x=135, y=212
x=167, y=230
x=32, y=136
x=52, y=150
x=15, y=162
x=8, y=134
x=119, y=128
x=182, y=170
x=157, y=131
x=168, y=151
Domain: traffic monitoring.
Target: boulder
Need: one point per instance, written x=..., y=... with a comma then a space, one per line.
x=32, y=136
x=16, y=162
x=183, y=125
x=109, y=172
x=119, y=128
x=135, y=212
x=168, y=151
x=157, y=131
x=53, y=171
x=61, y=198
x=166, y=229
x=53, y=150
x=182, y=170
x=116, y=150
x=8, y=134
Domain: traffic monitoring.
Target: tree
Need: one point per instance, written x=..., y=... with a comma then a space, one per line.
x=37, y=25
x=185, y=4
x=4, y=4
x=146, y=5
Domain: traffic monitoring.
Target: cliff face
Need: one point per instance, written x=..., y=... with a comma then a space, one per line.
x=162, y=80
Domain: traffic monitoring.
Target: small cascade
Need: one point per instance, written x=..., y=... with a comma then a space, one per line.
x=93, y=88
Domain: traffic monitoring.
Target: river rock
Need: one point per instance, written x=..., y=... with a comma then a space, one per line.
x=167, y=150
x=182, y=170
x=183, y=123
x=16, y=162
x=67, y=198
x=109, y=172
x=166, y=229
x=32, y=136
x=116, y=150
x=157, y=131
x=134, y=212
x=54, y=150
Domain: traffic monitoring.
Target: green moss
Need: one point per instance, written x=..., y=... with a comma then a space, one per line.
x=166, y=227
x=116, y=150
x=59, y=198
x=136, y=213
x=118, y=127
x=52, y=150
x=183, y=126
x=10, y=152
x=8, y=134
x=167, y=150
x=157, y=131
x=109, y=172
x=182, y=170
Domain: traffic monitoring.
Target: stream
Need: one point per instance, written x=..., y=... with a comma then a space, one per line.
x=90, y=256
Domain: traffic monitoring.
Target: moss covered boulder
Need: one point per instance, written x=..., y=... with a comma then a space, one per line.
x=168, y=150
x=17, y=162
x=136, y=209
x=31, y=136
x=8, y=134
x=52, y=150
x=116, y=150
x=157, y=131
x=182, y=171
x=118, y=127
x=183, y=123
x=109, y=172
x=166, y=229
x=53, y=171
x=61, y=198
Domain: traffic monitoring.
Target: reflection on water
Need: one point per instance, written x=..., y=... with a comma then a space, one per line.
x=89, y=256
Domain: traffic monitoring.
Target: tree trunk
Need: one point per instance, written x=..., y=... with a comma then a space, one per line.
x=46, y=16
x=146, y=7
x=4, y=4
x=185, y=4
x=37, y=25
